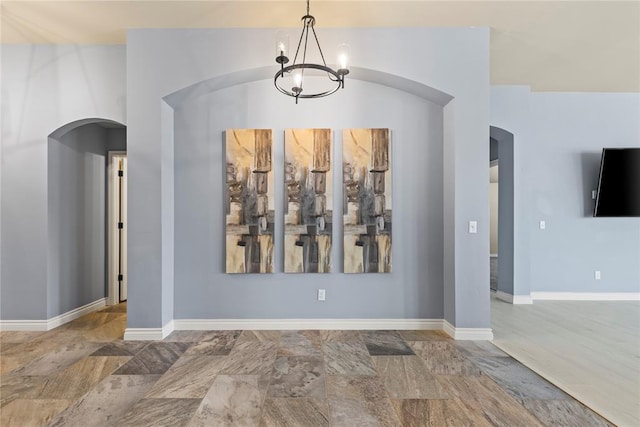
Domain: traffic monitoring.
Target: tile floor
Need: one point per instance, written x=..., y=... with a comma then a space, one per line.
x=83, y=374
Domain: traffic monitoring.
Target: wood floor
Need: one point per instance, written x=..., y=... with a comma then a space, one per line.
x=590, y=349
x=84, y=374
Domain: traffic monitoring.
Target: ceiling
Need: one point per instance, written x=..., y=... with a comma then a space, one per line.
x=585, y=46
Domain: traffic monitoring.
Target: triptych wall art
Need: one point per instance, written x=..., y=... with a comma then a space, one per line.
x=250, y=201
x=308, y=197
x=366, y=172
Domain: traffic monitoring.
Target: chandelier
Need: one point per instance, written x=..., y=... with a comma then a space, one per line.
x=295, y=87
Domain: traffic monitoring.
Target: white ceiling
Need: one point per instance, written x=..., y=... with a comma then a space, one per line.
x=550, y=46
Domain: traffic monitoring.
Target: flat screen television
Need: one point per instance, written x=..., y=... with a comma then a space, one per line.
x=619, y=183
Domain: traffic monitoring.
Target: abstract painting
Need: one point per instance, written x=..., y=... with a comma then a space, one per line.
x=249, y=201
x=309, y=201
x=366, y=180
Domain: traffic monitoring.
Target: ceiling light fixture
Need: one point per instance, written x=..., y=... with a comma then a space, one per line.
x=298, y=67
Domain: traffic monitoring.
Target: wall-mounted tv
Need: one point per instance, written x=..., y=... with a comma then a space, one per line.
x=619, y=183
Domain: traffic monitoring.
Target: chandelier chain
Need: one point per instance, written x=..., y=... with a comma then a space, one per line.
x=319, y=48
x=295, y=58
x=306, y=42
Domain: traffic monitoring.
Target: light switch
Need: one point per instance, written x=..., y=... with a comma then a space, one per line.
x=543, y=225
x=473, y=227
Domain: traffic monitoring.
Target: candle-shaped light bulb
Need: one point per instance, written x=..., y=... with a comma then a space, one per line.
x=343, y=61
x=282, y=46
x=343, y=57
x=297, y=84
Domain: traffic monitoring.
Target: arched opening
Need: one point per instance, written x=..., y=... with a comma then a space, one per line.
x=197, y=114
x=78, y=205
x=501, y=163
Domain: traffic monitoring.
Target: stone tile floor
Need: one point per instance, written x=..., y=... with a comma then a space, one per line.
x=83, y=374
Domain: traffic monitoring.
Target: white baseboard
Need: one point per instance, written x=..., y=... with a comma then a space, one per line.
x=464, y=334
x=586, y=296
x=514, y=299
x=23, y=325
x=67, y=317
x=149, y=334
x=302, y=324
x=54, y=322
x=504, y=296
x=522, y=299
x=142, y=334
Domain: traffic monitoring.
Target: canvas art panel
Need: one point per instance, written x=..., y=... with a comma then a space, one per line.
x=309, y=201
x=250, y=201
x=367, y=201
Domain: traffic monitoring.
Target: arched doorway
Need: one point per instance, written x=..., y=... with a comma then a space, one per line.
x=502, y=265
x=77, y=212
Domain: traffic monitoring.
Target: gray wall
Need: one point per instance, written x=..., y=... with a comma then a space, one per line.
x=162, y=62
x=43, y=88
x=116, y=139
x=569, y=131
x=493, y=149
x=558, y=141
x=413, y=289
x=76, y=199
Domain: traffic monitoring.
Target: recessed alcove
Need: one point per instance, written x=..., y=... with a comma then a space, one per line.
x=203, y=111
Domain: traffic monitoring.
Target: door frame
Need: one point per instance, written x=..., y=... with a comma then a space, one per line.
x=113, y=288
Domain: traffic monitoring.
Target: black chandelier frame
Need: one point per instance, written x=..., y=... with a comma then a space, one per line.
x=297, y=92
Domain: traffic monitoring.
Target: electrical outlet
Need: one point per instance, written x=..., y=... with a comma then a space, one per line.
x=543, y=225
x=321, y=294
x=473, y=227
x=596, y=275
